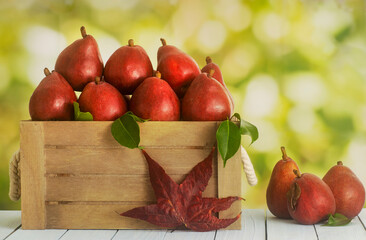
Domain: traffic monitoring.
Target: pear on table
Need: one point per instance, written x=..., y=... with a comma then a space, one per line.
x=154, y=99
x=102, y=100
x=310, y=199
x=80, y=62
x=348, y=191
x=128, y=67
x=53, y=99
x=176, y=67
x=279, y=184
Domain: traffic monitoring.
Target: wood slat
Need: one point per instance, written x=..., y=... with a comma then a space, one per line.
x=109, y=188
x=9, y=221
x=229, y=184
x=140, y=234
x=362, y=217
x=122, y=160
x=96, y=216
x=22, y=234
x=88, y=234
x=354, y=230
x=287, y=229
x=253, y=227
x=186, y=234
x=153, y=134
x=32, y=175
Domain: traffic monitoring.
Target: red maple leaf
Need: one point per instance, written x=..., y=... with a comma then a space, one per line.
x=183, y=204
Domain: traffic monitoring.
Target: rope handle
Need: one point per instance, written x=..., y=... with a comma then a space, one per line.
x=14, y=176
x=248, y=167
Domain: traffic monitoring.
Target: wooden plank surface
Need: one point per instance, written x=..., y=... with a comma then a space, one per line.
x=229, y=184
x=140, y=234
x=48, y=234
x=121, y=160
x=283, y=229
x=362, y=217
x=354, y=230
x=88, y=234
x=153, y=134
x=32, y=175
x=9, y=221
x=253, y=227
x=186, y=234
x=109, y=188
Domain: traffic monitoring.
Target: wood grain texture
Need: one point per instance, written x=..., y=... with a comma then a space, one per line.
x=152, y=134
x=229, y=184
x=253, y=227
x=354, y=230
x=109, y=188
x=48, y=234
x=186, y=234
x=140, y=234
x=88, y=234
x=121, y=160
x=9, y=221
x=282, y=229
x=32, y=175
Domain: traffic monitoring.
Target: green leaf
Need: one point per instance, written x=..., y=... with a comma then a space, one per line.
x=246, y=128
x=137, y=119
x=337, y=220
x=126, y=131
x=228, y=139
x=81, y=116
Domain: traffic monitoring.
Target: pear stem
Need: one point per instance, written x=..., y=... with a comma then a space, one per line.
x=163, y=41
x=284, y=155
x=208, y=60
x=340, y=163
x=131, y=43
x=46, y=72
x=211, y=73
x=157, y=74
x=97, y=80
x=83, y=32
x=297, y=173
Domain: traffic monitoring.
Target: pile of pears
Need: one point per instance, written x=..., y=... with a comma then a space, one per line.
x=308, y=199
x=177, y=90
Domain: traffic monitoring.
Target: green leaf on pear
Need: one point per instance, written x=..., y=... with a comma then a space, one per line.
x=126, y=131
x=246, y=128
x=337, y=220
x=81, y=116
x=137, y=119
x=228, y=139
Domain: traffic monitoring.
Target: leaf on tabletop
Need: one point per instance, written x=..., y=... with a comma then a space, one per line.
x=182, y=204
x=337, y=220
x=81, y=116
x=228, y=139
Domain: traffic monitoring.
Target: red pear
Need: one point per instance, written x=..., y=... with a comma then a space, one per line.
x=348, y=191
x=154, y=99
x=279, y=184
x=53, y=99
x=80, y=62
x=128, y=67
x=206, y=100
x=310, y=199
x=176, y=67
x=217, y=75
x=103, y=101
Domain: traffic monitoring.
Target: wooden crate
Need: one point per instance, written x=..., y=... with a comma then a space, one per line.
x=74, y=175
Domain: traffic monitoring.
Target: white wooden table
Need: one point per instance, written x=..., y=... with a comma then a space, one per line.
x=257, y=224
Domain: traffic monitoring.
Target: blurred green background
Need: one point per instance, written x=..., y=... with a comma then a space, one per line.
x=296, y=69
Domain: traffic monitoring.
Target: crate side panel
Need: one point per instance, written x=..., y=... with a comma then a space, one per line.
x=121, y=160
x=32, y=176
x=229, y=184
x=109, y=188
x=94, y=216
x=152, y=134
